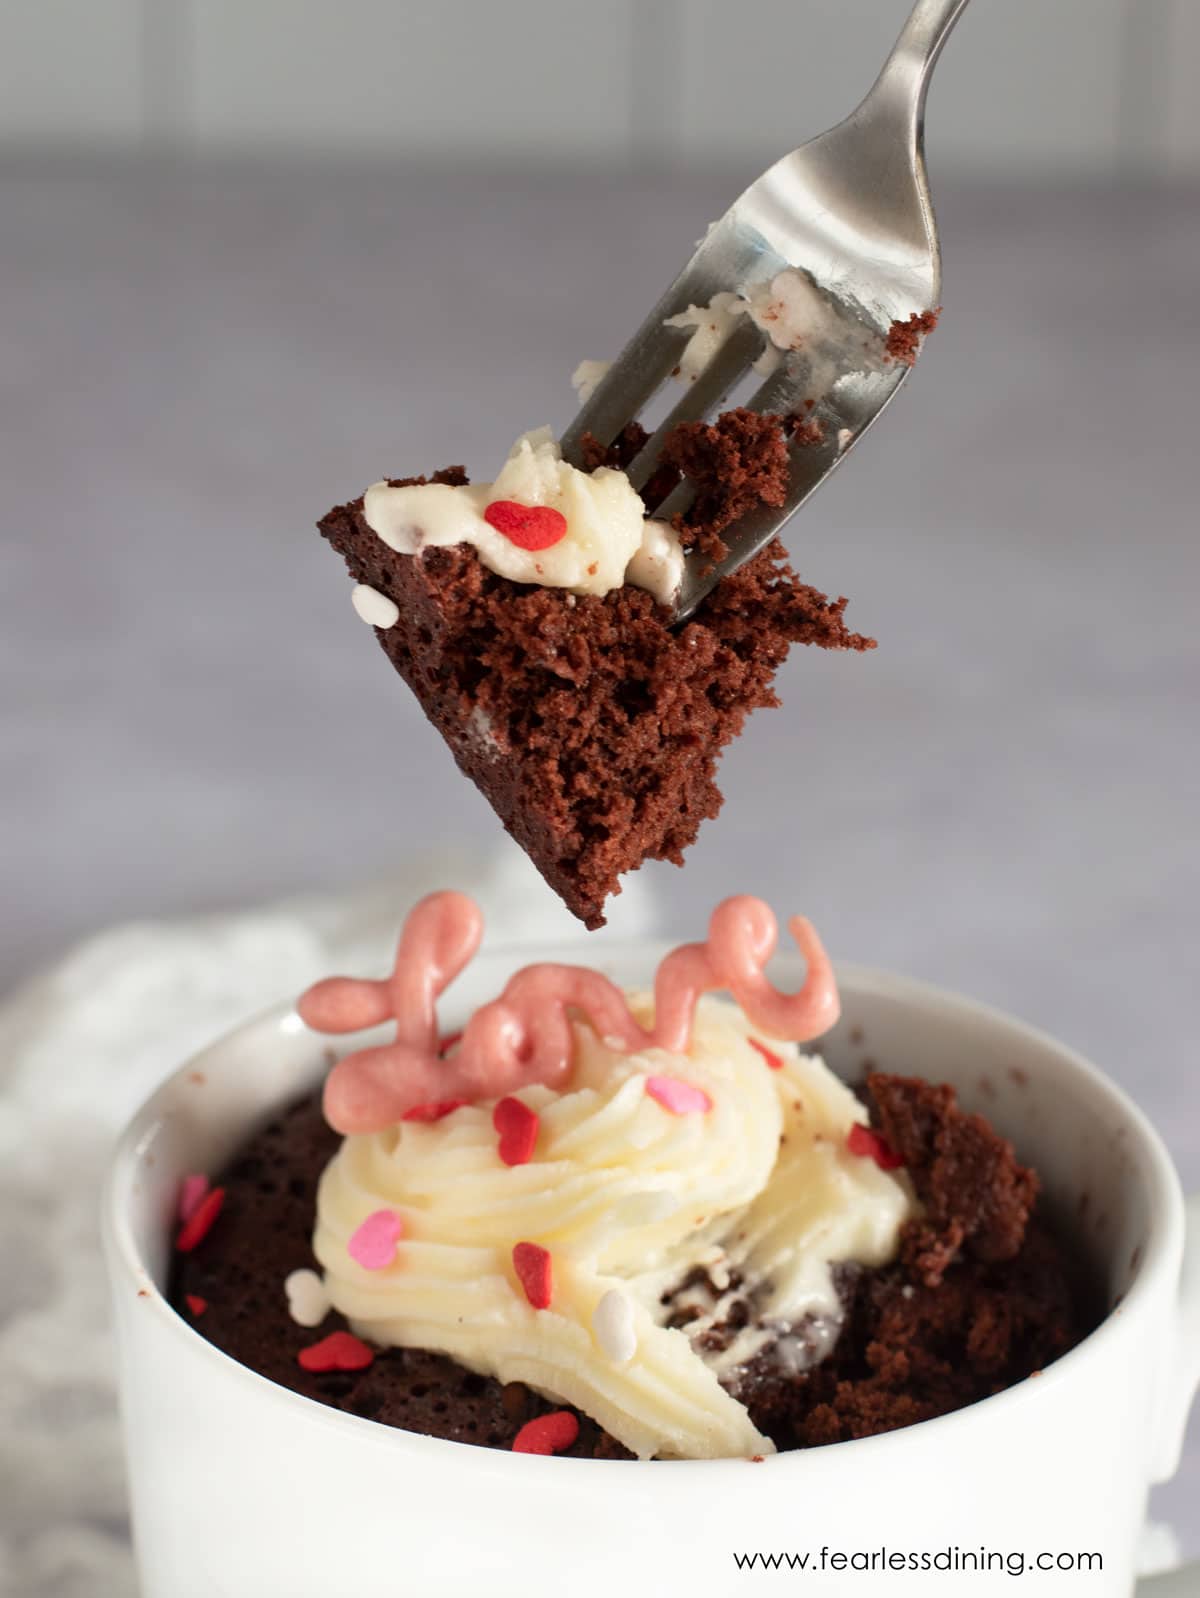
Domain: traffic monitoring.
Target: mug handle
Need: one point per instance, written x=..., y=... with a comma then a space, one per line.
x=1184, y=1379
x=1184, y=1375
x=1182, y=1583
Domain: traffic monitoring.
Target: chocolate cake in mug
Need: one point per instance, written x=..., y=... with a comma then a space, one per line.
x=623, y=1224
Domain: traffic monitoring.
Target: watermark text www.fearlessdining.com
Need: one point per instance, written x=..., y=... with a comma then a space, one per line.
x=950, y=1560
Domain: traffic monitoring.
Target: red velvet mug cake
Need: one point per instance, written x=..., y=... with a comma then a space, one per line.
x=623, y=1224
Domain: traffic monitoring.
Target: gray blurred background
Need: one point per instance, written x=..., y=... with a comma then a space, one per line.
x=256, y=253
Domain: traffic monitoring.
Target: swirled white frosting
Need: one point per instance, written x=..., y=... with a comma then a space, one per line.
x=629, y=1199
x=608, y=540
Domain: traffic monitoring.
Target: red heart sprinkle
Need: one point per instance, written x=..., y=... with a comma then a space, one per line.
x=548, y=1434
x=195, y=1303
x=769, y=1055
x=870, y=1145
x=340, y=1351
x=526, y=526
x=535, y=1272
x=447, y=1044
x=433, y=1112
x=199, y=1223
x=517, y=1125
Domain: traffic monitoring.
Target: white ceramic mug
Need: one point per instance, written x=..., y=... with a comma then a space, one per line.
x=244, y=1490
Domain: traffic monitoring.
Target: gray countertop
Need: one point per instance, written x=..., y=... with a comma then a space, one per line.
x=1002, y=798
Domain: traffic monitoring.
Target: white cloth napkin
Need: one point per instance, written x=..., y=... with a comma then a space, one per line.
x=80, y=1047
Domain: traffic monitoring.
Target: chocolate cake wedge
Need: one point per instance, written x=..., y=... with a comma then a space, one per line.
x=590, y=723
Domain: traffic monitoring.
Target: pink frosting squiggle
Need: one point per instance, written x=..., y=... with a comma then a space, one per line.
x=525, y=1035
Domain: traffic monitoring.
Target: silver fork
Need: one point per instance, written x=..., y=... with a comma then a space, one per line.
x=851, y=210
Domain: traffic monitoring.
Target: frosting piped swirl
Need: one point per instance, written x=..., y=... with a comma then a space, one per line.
x=626, y=1197
x=667, y=1137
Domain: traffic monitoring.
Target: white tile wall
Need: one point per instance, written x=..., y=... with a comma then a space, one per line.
x=493, y=77
x=1034, y=83
x=1036, y=86
x=1181, y=99
x=71, y=70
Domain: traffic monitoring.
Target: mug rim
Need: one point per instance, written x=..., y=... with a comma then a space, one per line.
x=1163, y=1244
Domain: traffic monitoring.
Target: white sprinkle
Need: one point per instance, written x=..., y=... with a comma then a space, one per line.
x=843, y=438
x=376, y=609
x=907, y=1290
x=308, y=1302
x=613, y=1325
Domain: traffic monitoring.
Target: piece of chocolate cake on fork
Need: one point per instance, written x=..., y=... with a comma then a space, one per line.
x=531, y=617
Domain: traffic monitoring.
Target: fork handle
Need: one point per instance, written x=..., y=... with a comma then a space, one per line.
x=901, y=85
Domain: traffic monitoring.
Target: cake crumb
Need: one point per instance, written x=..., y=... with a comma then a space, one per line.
x=975, y=1196
x=904, y=339
x=736, y=464
x=807, y=430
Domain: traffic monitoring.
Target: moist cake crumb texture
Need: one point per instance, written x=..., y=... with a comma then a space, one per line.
x=590, y=724
x=737, y=463
x=982, y=1295
x=904, y=339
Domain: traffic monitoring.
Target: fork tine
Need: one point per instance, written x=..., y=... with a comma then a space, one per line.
x=713, y=382
x=654, y=350
x=809, y=465
x=788, y=387
x=642, y=367
x=782, y=392
x=677, y=500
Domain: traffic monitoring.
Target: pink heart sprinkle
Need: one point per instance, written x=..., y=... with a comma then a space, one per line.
x=191, y=1195
x=373, y=1244
x=681, y=1098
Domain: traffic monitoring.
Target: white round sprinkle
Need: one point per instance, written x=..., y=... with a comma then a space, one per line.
x=376, y=609
x=613, y=1325
x=308, y=1302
